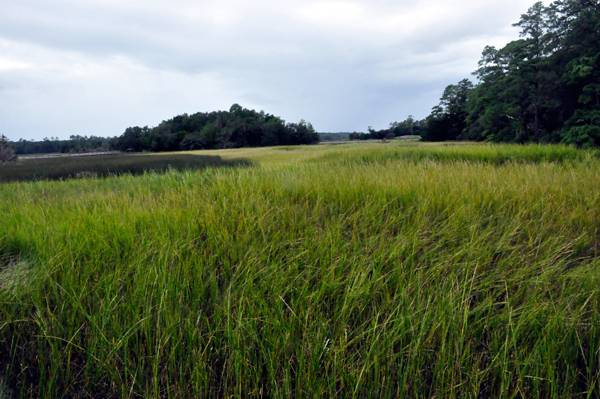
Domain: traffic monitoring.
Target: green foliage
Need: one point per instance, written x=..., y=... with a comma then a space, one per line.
x=238, y=127
x=75, y=144
x=532, y=89
x=359, y=136
x=582, y=136
x=315, y=274
x=131, y=139
x=408, y=127
x=447, y=121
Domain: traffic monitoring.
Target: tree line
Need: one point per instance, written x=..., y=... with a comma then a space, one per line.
x=238, y=127
x=75, y=144
x=409, y=126
x=544, y=87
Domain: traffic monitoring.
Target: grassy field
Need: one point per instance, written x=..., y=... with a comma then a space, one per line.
x=361, y=270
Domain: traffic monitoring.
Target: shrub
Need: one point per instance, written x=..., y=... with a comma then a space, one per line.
x=582, y=136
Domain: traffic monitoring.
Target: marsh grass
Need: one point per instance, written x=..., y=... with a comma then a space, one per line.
x=107, y=165
x=496, y=154
x=315, y=274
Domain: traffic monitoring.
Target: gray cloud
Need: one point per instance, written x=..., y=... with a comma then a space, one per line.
x=96, y=67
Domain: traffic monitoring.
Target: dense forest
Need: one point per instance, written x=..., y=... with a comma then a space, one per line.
x=238, y=127
x=544, y=87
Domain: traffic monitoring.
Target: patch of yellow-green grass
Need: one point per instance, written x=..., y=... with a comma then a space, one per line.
x=408, y=151
x=359, y=270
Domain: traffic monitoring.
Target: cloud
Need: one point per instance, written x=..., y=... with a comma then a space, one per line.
x=7, y=64
x=97, y=67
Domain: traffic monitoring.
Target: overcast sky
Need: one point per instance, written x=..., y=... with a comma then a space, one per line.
x=95, y=67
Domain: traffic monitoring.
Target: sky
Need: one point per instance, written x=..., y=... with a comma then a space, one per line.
x=96, y=67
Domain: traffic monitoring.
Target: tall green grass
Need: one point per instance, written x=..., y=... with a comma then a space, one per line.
x=497, y=154
x=318, y=274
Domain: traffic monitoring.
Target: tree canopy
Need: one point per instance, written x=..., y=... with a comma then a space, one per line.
x=543, y=87
x=238, y=127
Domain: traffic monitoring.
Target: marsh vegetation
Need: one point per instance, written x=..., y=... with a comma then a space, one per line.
x=61, y=168
x=396, y=270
